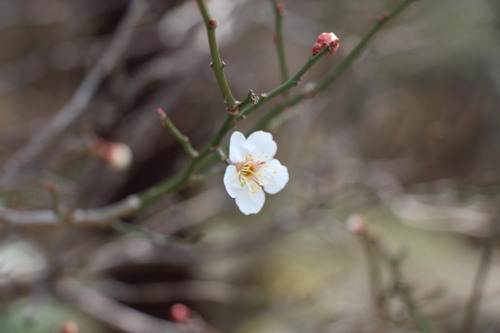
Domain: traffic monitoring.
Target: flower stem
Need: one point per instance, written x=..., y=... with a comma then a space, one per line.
x=278, y=8
x=217, y=63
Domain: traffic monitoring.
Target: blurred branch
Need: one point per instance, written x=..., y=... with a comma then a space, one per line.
x=212, y=291
x=279, y=9
x=472, y=305
x=45, y=218
x=111, y=312
x=375, y=281
x=400, y=285
x=43, y=140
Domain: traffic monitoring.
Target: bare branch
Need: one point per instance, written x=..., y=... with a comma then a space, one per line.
x=46, y=218
x=110, y=312
x=43, y=140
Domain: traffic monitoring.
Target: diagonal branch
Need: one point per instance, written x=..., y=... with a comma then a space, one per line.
x=41, y=142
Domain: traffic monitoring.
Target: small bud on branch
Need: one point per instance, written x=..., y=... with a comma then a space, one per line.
x=180, y=313
x=117, y=155
x=326, y=39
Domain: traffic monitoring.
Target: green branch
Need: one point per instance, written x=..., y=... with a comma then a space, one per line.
x=279, y=9
x=183, y=140
x=217, y=63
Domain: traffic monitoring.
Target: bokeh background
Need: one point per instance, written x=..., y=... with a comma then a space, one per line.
x=408, y=137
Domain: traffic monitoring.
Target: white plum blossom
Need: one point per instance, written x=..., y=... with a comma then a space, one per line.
x=253, y=170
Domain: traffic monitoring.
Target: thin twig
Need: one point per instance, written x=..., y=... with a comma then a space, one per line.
x=46, y=218
x=183, y=139
x=74, y=109
x=112, y=313
x=217, y=63
x=393, y=263
x=279, y=8
x=474, y=300
x=375, y=281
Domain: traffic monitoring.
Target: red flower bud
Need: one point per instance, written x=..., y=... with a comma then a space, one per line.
x=326, y=39
x=179, y=313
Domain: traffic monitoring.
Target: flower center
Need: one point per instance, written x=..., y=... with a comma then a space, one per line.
x=248, y=172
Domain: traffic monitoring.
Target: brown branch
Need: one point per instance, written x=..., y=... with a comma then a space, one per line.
x=46, y=218
x=110, y=312
x=41, y=142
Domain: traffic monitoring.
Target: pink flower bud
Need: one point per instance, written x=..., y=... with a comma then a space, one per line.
x=179, y=313
x=326, y=39
x=356, y=224
x=116, y=154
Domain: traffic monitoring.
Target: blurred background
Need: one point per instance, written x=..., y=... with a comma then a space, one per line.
x=408, y=137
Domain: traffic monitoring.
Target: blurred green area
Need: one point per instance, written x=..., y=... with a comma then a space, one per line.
x=408, y=137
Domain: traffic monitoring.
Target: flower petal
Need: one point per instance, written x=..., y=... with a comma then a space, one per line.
x=232, y=181
x=273, y=176
x=237, y=150
x=250, y=202
x=261, y=145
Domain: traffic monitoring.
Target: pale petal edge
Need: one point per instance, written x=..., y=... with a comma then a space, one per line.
x=250, y=202
x=232, y=181
x=274, y=176
x=261, y=145
x=237, y=150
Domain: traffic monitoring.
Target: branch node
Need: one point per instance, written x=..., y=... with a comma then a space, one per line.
x=212, y=24
x=383, y=17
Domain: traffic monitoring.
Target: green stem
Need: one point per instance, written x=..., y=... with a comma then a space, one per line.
x=292, y=82
x=278, y=38
x=217, y=63
x=183, y=140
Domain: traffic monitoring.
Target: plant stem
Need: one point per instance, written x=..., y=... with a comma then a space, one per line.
x=183, y=140
x=278, y=38
x=217, y=63
x=375, y=281
x=471, y=308
x=403, y=288
x=292, y=82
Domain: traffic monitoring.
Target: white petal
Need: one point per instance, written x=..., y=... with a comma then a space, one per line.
x=237, y=151
x=232, y=181
x=273, y=176
x=250, y=202
x=261, y=145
